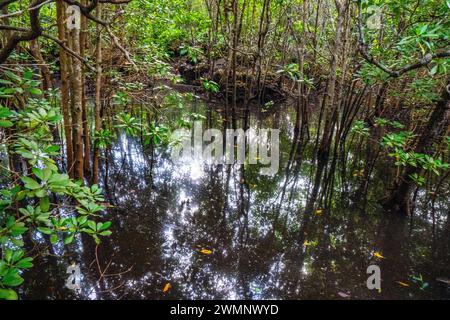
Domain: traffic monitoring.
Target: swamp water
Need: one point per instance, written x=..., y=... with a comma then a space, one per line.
x=199, y=231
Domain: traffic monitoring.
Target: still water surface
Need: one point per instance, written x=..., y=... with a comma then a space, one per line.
x=226, y=232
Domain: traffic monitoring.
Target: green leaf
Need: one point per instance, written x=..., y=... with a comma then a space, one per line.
x=53, y=238
x=3, y=268
x=103, y=226
x=25, y=263
x=8, y=294
x=35, y=91
x=59, y=179
x=30, y=183
x=17, y=255
x=18, y=229
x=21, y=195
x=6, y=124
x=41, y=193
x=44, y=204
x=92, y=225
x=8, y=255
x=69, y=239
x=52, y=148
x=45, y=230
x=5, y=112
x=12, y=278
x=38, y=172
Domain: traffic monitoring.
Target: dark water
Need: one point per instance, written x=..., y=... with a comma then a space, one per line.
x=165, y=214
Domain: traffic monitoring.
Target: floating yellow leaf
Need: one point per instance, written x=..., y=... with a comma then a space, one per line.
x=402, y=284
x=307, y=243
x=206, y=251
x=167, y=287
x=378, y=255
x=319, y=211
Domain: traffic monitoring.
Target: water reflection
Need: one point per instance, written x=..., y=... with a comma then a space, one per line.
x=262, y=244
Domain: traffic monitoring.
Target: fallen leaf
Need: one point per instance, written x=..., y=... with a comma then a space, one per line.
x=306, y=243
x=319, y=211
x=167, y=287
x=343, y=295
x=402, y=284
x=206, y=251
x=378, y=255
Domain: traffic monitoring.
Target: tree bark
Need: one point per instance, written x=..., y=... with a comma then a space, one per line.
x=98, y=101
x=86, y=133
x=65, y=107
x=77, y=105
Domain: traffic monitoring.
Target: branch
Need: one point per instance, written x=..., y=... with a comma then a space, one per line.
x=363, y=48
x=71, y=52
x=56, y=40
x=22, y=11
x=118, y=45
x=86, y=10
x=27, y=35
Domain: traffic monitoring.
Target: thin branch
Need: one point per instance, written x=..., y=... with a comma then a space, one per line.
x=118, y=45
x=71, y=52
x=8, y=15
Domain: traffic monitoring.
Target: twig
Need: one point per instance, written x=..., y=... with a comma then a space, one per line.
x=12, y=14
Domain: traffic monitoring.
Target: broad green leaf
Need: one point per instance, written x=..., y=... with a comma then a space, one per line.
x=44, y=204
x=24, y=263
x=6, y=124
x=30, y=183
x=12, y=278
x=45, y=230
x=8, y=294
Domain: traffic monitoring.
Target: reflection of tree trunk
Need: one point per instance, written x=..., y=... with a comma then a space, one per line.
x=60, y=12
x=89, y=267
x=400, y=198
x=392, y=245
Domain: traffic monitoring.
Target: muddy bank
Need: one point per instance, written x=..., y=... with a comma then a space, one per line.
x=271, y=87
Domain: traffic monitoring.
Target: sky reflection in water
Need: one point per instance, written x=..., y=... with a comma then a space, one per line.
x=165, y=214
